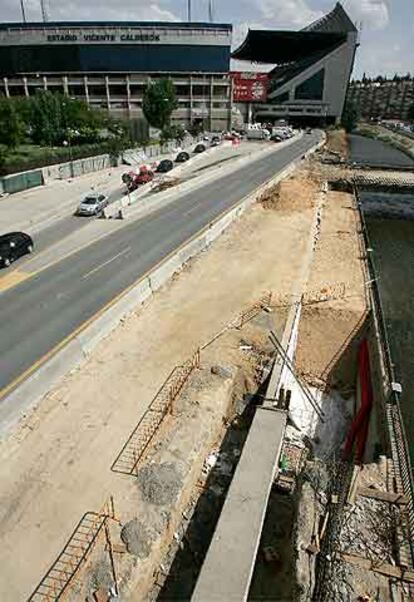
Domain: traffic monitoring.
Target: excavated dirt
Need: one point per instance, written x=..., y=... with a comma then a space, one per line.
x=335, y=307
x=296, y=193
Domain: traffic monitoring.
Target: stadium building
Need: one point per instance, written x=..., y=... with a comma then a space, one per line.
x=108, y=64
x=310, y=69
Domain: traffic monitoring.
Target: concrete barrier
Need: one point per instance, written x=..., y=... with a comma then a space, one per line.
x=193, y=248
x=73, y=352
x=31, y=390
x=163, y=273
x=108, y=320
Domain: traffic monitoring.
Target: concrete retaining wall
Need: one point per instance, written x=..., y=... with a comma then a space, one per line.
x=31, y=390
x=73, y=169
x=79, y=167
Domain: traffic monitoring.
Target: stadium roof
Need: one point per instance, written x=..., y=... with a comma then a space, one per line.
x=264, y=46
x=278, y=47
x=335, y=21
x=113, y=24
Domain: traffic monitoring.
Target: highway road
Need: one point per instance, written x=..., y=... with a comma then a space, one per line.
x=37, y=314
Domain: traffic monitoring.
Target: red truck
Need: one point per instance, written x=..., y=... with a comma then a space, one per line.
x=132, y=180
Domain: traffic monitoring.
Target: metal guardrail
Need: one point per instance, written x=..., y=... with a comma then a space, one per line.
x=397, y=436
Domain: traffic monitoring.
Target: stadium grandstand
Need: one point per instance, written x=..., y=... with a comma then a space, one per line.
x=310, y=69
x=108, y=64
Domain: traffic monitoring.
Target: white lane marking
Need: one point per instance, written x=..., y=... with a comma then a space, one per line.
x=102, y=265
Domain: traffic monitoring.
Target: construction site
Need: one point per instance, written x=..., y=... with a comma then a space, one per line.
x=237, y=436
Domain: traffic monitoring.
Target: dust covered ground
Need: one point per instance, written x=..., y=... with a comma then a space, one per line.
x=331, y=322
x=56, y=465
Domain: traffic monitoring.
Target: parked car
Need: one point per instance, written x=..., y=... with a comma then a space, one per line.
x=14, y=245
x=276, y=138
x=308, y=131
x=164, y=166
x=92, y=204
x=200, y=148
x=182, y=157
x=132, y=180
x=215, y=141
x=258, y=134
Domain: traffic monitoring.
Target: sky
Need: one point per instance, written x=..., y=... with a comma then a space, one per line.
x=387, y=26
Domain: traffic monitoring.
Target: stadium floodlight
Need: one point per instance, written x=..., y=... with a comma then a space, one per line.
x=43, y=6
x=23, y=11
x=211, y=11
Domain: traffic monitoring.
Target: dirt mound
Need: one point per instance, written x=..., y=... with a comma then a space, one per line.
x=159, y=483
x=270, y=198
x=295, y=194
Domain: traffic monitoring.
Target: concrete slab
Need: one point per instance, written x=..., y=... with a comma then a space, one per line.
x=229, y=564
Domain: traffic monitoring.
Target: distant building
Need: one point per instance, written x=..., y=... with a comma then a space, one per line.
x=383, y=98
x=108, y=64
x=311, y=69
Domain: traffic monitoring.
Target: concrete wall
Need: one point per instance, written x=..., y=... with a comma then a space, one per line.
x=72, y=169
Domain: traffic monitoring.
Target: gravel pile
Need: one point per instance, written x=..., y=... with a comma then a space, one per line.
x=159, y=483
x=137, y=538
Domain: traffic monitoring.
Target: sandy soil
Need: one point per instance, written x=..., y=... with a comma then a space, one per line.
x=335, y=303
x=56, y=466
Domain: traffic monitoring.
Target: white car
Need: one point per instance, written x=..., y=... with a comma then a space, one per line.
x=92, y=204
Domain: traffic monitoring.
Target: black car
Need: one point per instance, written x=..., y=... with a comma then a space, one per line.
x=200, y=148
x=164, y=166
x=215, y=141
x=13, y=245
x=182, y=157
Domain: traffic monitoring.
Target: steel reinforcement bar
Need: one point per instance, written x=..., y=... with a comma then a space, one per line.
x=138, y=441
x=396, y=431
x=62, y=575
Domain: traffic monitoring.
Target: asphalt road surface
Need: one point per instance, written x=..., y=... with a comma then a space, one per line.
x=71, y=223
x=366, y=151
x=39, y=313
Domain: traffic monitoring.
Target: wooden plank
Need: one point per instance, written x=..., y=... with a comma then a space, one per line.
x=354, y=484
x=384, y=496
x=382, y=568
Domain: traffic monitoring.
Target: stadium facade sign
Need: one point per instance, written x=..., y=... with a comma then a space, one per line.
x=114, y=35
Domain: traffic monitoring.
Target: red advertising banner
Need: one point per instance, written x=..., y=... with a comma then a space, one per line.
x=249, y=86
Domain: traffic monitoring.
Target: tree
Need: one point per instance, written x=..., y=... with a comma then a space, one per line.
x=11, y=126
x=55, y=118
x=159, y=102
x=350, y=115
x=46, y=119
x=410, y=114
x=172, y=132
